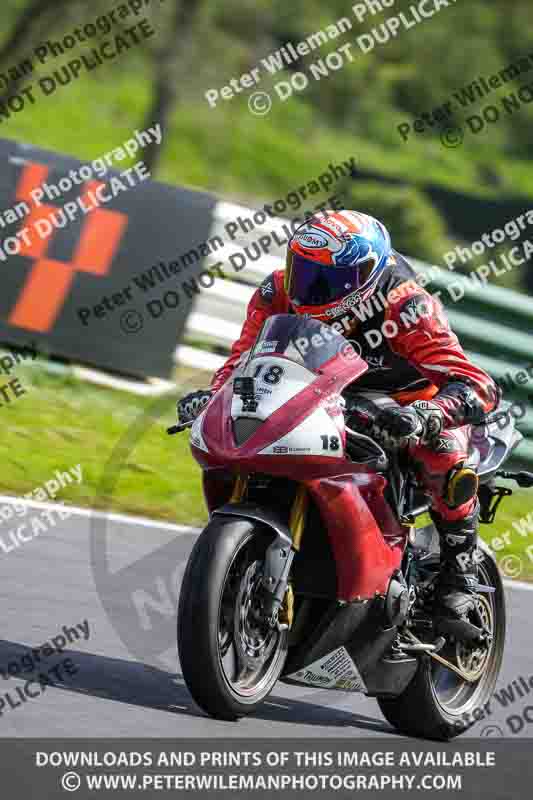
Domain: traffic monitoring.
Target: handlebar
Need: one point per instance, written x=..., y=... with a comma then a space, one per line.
x=181, y=426
x=367, y=412
x=363, y=409
x=355, y=436
x=492, y=416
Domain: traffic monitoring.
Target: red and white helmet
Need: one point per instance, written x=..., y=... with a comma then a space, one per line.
x=334, y=261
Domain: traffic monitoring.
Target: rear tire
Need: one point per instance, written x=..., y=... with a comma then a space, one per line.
x=421, y=710
x=203, y=611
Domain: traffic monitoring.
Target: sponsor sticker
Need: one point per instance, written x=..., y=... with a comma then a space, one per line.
x=312, y=240
x=350, y=300
x=267, y=347
x=337, y=670
x=267, y=289
x=444, y=444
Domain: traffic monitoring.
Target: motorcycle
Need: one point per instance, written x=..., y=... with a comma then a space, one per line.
x=312, y=569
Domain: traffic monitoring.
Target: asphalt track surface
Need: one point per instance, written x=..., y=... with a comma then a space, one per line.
x=49, y=582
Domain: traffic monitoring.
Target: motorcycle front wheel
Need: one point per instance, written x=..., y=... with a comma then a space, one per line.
x=230, y=656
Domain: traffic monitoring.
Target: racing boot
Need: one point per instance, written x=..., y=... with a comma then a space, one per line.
x=458, y=579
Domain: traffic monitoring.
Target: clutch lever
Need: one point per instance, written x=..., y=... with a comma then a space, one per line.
x=181, y=426
x=382, y=459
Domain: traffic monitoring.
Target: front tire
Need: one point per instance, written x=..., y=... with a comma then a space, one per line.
x=230, y=659
x=439, y=705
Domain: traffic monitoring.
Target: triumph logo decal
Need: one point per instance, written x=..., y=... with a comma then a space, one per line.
x=337, y=670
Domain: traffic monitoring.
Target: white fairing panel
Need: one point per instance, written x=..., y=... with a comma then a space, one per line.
x=277, y=380
x=337, y=670
x=197, y=438
x=317, y=435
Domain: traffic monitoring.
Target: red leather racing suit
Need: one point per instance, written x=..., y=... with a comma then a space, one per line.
x=404, y=336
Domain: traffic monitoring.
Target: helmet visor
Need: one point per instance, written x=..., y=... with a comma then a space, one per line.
x=311, y=284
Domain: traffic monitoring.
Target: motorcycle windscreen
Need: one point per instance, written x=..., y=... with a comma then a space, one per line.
x=285, y=359
x=305, y=341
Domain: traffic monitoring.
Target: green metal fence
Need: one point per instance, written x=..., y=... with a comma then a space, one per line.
x=495, y=327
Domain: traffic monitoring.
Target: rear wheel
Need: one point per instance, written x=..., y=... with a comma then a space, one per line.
x=438, y=703
x=230, y=656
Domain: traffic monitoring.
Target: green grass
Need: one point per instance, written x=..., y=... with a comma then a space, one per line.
x=252, y=160
x=228, y=150
x=61, y=422
x=511, y=550
x=131, y=465
x=231, y=153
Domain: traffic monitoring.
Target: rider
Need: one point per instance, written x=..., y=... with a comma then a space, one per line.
x=342, y=270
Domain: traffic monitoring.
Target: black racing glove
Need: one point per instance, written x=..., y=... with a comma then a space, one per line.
x=398, y=426
x=190, y=406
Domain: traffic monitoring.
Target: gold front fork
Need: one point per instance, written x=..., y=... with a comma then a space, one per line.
x=239, y=489
x=298, y=513
x=296, y=525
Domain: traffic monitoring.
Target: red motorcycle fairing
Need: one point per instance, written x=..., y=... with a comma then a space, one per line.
x=223, y=451
x=366, y=540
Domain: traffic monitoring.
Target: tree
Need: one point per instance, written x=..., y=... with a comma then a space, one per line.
x=35, y=23
x=173, y=50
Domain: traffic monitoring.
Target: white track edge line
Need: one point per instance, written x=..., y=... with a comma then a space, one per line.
x=111, y=516
x=169, y=526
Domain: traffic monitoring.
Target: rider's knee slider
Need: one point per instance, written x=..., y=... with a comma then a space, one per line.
x=462, y=486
